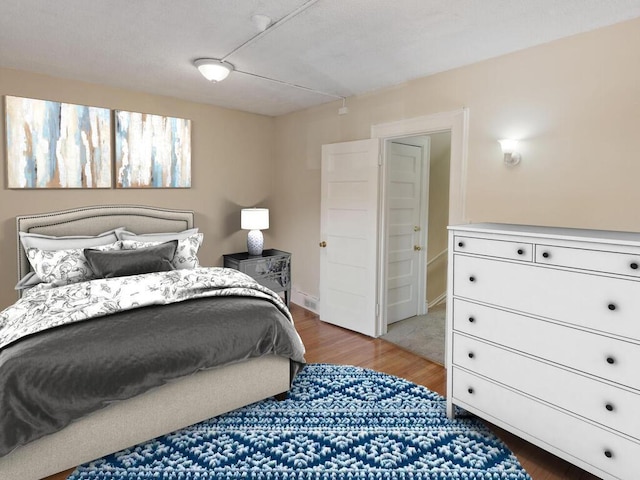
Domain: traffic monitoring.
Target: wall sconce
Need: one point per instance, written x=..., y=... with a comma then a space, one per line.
x=511, y=156
x=254, y=219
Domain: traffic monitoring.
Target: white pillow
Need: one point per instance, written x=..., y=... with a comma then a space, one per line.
x=48, y=242
x=28, y=281
x=62, y=267
x=186, y=254
x=156, y=237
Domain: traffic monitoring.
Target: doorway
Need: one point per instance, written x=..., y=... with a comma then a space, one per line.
x=352, y=234
x=417, y=212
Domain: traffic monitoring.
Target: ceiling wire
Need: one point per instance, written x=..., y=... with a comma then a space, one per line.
x=294, y=85
x=269, y=29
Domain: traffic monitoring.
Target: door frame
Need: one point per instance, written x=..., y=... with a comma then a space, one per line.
x=457, y=122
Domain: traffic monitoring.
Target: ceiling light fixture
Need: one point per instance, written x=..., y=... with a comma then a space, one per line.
x=212, y=69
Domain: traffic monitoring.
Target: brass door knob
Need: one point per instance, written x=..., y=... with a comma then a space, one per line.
x=323, y=244
x=417, y=248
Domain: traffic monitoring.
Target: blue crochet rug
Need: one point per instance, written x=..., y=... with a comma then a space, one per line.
x=339, y=422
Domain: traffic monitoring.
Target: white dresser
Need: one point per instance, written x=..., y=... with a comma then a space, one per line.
x=543, y=339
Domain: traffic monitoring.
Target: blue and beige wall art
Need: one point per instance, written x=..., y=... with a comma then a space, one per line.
x=152, y=151
x=57, y=145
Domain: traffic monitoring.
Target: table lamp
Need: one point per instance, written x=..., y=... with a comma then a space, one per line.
x=254, y=220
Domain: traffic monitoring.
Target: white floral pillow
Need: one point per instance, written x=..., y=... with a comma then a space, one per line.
x=186, y=254
x=62, y=267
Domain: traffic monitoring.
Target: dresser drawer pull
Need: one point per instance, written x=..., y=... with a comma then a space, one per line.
x=634, y=266
x=471, y=355
x=611, y=360
x=472, y=279
x=608, y=453
x=470, y=390
x=609, y=407
x=546, y=254
x=461, y=244
x=520, y=251
x=612, y=306
x=471, y=319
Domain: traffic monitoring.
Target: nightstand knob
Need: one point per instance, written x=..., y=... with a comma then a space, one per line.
x=611, y=360
x=471, y=355
x=634, y=266
x=472, y=279
x=461, y=244
x=470, y=390
x=612, y=306
x=520, y=251
x=609, y=407
x=545, y=254
x=323, y=244
x=608, y=453
x=472, y=319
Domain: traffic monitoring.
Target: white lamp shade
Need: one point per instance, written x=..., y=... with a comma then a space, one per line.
x=254, y=218
x=508, y=145
x=212, y=69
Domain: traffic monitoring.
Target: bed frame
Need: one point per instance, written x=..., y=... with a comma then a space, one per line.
x=161, y=410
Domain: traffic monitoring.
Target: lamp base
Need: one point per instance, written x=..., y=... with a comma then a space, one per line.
x=255, y=242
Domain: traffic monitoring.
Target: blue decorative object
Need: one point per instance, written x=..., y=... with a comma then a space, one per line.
x=339, y=422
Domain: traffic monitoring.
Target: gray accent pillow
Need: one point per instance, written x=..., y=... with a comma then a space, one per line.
x=48, y=242
x=186, y=254
x=120, y=263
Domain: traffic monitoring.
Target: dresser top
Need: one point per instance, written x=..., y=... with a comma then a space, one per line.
x=578, y=234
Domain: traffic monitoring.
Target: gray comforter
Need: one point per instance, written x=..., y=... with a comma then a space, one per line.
x=53, y=376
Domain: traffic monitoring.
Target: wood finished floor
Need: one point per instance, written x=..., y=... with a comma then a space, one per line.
x=329, y=344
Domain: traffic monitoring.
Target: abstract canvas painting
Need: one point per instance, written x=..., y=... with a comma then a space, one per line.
x=152, y=151
x=57, y=145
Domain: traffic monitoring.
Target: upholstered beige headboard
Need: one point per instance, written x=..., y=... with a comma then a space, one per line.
x=97, y=219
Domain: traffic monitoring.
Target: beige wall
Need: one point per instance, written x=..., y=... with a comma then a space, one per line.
x=438, y=214
x=575, y=103
x=228, y=171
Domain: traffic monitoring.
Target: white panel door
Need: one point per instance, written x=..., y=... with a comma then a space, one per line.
x=349, y=235
x=405, y=249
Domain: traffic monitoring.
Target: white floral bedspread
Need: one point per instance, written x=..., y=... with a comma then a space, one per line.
x=41, y=308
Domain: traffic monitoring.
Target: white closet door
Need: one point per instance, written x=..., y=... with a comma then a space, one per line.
x=404, y=233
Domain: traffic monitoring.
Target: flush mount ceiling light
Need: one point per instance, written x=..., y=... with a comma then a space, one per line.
x=212, y=69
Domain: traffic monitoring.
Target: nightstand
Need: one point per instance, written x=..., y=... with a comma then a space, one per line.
x=272, y=269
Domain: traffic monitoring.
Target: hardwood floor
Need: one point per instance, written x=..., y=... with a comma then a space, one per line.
x=329, y=344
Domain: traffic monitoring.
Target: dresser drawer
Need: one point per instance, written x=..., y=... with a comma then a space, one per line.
x=592, y=260
x=609, y=305
x=265, y=266
x=608, y=454
x=274, y=281
x=494, y=248
x=577, y=349
x=585, y=396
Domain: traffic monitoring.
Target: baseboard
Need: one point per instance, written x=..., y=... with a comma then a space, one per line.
x=305, y=300
x=438, y=300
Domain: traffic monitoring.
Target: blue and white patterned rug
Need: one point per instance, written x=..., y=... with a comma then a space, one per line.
x=339, y=422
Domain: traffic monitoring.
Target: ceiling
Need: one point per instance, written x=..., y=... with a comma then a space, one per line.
x=340, y=47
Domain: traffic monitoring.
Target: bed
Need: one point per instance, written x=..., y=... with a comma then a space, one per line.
x=168, y=404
